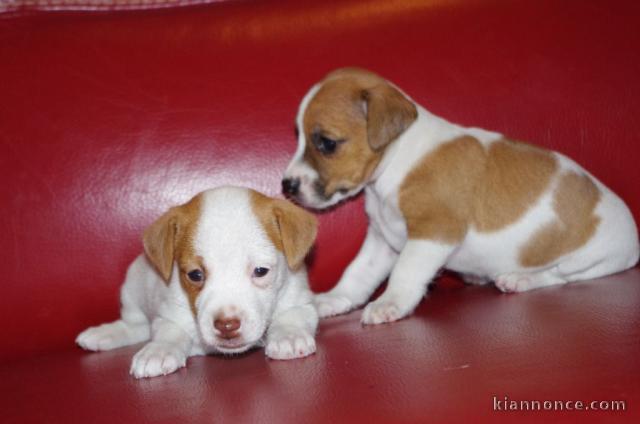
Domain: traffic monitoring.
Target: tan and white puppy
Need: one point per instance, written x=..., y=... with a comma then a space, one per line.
x=441, y=195
x=220, y=274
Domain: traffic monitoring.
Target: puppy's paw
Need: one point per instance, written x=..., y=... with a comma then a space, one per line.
x=381, y=311
x=513, y=283
x=329, y=304
x=157, y=358
x=103, y=337
x=289, y=343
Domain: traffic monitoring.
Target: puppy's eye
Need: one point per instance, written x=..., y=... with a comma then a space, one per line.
x=260, y=272
x=196, y=276
x=324, y=144
x=327, y=145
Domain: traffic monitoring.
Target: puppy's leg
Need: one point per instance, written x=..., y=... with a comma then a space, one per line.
x=372, y=264
x=520, y=282
x=291, y=334
x=165, y=353
x=132, y=328
x=113, y=335
x=418, y=263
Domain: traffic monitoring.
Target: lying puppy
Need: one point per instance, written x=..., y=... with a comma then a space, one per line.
x=441, y=195
x=221, y=273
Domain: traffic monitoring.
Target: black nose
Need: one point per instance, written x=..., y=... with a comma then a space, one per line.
x=290, y=186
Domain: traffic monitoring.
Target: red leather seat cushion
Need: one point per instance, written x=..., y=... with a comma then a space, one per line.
x=464, y=346
x=108, y=119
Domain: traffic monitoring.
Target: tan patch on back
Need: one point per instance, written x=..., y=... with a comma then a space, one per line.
x=436, y=196
x=516, y=176
x=291, y=229
x=574, y=202
x=463, y=184
x=363, y=113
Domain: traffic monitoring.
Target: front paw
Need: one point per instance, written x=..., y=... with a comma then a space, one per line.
x=103, y=337
x=289, y=343
x=157, y=358
x=382, y=311
x=329, y=304
x=96, y=339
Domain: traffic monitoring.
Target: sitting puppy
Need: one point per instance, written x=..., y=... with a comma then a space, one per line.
x=221, y=273
x=441, y=195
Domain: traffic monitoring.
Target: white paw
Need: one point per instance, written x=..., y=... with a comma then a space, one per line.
x=103, y=337
x=328, y=304
x=157, y=358
x=381, y=311
x=512, y=283
x=289, y=343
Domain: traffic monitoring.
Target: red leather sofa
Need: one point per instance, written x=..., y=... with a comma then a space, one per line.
x=108, y=117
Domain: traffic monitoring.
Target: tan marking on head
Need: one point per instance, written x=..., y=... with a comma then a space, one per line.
x=170, y=240
x=516, y=175
x=574, y=202
x=463, y=184
x=361, y=111
x=291, y=229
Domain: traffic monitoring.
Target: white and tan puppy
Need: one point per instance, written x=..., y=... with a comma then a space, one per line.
x=441, y=195
x=220, y=274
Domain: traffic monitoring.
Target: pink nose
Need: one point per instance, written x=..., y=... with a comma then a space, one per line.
x=228, y=327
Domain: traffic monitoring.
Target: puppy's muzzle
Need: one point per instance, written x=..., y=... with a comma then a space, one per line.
x=290, y=186
x=228, y=327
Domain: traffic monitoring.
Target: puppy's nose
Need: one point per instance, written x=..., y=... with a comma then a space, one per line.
x=290, y=186
x=228, y=327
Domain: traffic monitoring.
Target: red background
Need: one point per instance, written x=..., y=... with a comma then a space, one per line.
x=108, y=119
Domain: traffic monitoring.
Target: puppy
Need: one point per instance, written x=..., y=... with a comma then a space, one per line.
x=220, y=274
x=441, y=195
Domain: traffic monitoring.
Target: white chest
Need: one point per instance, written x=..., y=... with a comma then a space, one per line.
x=385, y=216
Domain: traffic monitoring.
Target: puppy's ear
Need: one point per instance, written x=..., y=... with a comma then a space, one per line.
x=159, y=241
x=291, y=229
x=388, y=113
x=298, y=229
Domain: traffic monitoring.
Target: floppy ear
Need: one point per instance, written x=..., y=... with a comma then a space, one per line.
x=388, y=112
x=298, y=229
x=159, y=242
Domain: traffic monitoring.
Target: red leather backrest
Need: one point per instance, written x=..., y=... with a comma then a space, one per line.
x=107, y=120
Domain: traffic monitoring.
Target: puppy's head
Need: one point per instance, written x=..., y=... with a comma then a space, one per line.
x=344, y=124
x=226, y=254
